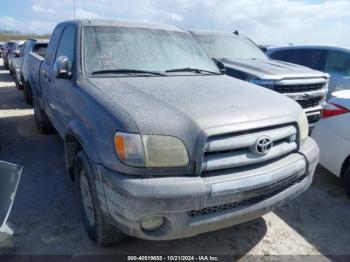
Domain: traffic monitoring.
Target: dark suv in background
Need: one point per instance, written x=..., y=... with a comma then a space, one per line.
x=334, y=60
x=2, y=45
x=22, y=68
x=10, y=46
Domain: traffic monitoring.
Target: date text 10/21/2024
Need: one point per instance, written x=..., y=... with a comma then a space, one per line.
x=173, y=258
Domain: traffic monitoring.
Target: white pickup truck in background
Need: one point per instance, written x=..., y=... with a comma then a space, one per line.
x=242, y=59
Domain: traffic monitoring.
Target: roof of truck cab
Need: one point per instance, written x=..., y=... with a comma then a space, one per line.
x=209, y=32
x=122, y=23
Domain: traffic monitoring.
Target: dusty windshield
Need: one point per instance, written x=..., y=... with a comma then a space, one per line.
x=113, y=48
x=230, y=46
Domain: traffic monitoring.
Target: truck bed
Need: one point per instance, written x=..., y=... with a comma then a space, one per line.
x=31, y=71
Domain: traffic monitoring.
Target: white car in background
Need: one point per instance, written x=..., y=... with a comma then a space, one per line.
x=332, y=134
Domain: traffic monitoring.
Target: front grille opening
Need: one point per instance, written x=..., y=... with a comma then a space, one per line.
x=234, y=206
x=310, y=102
x=298, y=88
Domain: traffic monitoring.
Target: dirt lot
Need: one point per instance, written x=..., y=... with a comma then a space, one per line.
x=46, y=219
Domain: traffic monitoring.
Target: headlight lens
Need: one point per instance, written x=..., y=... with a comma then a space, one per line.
x=164, y=151
x=265, y=83
x=303, y=127
x=150, y=150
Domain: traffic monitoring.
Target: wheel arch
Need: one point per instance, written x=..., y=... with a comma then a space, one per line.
x=77, y=138
x=345, y=166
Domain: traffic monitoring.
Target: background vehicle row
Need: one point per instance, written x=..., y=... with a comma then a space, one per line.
x=242, y=59
x=334, y=60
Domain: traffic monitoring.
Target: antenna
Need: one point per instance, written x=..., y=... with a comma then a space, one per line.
x=212, y=35
x=74, y=9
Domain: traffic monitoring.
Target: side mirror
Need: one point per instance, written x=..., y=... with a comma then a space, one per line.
x=62, y=68
x=17, y=53
x=220, y=65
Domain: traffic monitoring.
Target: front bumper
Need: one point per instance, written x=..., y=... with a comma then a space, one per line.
x=195, y=205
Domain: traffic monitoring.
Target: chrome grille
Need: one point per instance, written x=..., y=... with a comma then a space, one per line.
x=310, y=102
x=309, y=93
x=298, y=88
x=235, y=150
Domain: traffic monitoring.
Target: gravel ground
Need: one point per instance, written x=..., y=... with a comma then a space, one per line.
x=46, y=219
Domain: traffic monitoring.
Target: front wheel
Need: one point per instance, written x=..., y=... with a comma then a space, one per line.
x=18, y=85
x=95, y=221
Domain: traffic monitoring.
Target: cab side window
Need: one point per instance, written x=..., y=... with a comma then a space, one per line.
x=50, y=54
x=23, y=49
x=282, y=55
x=338, y=63
x=312, y=58
x=27, y=46
x=66, y=46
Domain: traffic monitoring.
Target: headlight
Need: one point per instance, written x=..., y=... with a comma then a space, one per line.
x=150, y=150
x=164, y=151
x=303, y=127
x=265, y=83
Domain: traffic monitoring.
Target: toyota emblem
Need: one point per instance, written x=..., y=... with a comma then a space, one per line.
x=263, y=145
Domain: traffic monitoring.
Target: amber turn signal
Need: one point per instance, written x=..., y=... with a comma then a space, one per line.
x=120, y=147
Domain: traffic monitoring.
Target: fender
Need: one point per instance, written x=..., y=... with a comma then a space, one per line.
x=77, y=135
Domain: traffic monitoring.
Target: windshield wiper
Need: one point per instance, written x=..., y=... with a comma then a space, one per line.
x=127, y=71
x=189, y=69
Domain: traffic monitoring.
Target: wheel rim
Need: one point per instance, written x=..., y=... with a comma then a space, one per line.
x=87, y=199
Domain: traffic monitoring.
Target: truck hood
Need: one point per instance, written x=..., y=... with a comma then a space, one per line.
x=185, y=106
x=269, y=69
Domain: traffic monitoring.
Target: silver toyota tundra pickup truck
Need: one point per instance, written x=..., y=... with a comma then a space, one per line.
x=244, y=60
x=160, y=144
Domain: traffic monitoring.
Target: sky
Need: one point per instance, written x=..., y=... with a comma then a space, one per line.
x=274, y=22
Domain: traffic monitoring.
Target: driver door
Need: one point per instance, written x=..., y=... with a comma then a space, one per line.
x=60, y=88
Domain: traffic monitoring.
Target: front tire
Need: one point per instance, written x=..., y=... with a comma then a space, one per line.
x=95, y=221
x=42, y=122
x=18, y=85
x=11, y=69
